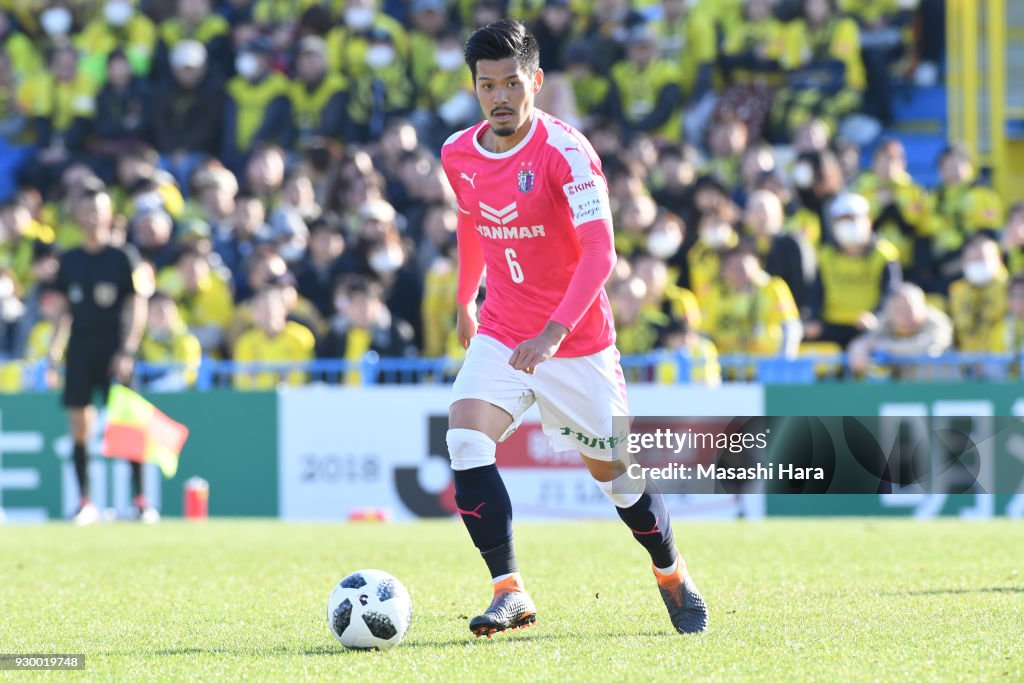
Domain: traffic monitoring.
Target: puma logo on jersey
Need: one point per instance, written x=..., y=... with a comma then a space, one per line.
x=470, y=180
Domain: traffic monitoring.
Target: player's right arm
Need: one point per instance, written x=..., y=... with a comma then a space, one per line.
x=470, y=255
x=471, y=270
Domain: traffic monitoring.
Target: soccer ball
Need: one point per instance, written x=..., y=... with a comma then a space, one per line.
x=369, y=609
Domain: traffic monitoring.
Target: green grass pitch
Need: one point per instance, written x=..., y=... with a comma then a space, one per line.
x=790, y=600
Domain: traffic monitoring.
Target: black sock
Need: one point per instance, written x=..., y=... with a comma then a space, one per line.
x=81, y=460
x=483, y=503
x=648, y=520
x=501, y=560
x=136, y=478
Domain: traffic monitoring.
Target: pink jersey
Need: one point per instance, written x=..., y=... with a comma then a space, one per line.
x=524, y=207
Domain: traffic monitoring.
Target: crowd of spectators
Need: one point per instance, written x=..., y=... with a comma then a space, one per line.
x=275, y=164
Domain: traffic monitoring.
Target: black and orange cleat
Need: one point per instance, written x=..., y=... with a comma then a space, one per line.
x=511, y=608
x=685, y=605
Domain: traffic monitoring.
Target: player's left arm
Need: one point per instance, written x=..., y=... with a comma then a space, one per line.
x=587, y=194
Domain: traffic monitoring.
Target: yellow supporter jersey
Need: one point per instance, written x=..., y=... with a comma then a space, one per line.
x=590, y=92
x=682, y=304
x=851, y=283
x=22, y=54
x=639, y=89
x=68, y=233
x=767, y=37
x=959, y=211
x=180, y=348
x=210, y=304
x=308, y=105
x=438, y=308
x=37, y=346
x=268, y=12
x=869, y=10
x=398, y=92
x=172, y=31
x=1013, y=334
x=251, y=101
x=706, y=266
x=295, y=344
x=443, y=85
x=704, y=366
x=838, y=39
x=749, y=322
x=979, y=314
x=98, y=39
x=689, y=43
x=60, y=101
x=357, y=344
x=18, y=255
x=912, y=201
x=641, y=335
x=346, y=51
x=806, y=223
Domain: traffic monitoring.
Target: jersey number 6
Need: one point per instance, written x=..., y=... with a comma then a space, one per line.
x=513, y=266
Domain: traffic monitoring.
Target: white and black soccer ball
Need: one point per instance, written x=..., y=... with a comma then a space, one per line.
x=369, y=609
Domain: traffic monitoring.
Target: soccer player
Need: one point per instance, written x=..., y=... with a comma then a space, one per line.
x=107, y=320
x=534, y=211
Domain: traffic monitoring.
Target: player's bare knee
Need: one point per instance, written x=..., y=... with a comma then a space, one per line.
x=479, y=415
x=469, y=448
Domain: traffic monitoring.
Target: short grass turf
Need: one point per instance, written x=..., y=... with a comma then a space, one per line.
x=790, y=600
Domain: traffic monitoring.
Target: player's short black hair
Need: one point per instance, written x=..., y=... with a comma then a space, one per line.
x=500, y=40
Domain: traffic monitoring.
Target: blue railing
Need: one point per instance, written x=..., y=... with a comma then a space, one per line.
x=657, y=367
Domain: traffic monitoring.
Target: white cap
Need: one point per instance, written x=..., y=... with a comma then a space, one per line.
x=850, y=204
x=377, y=209
x=188, y=53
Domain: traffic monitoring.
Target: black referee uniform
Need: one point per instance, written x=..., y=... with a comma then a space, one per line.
x=96, y=285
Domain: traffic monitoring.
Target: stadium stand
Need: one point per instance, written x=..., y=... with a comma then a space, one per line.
x=269, y=155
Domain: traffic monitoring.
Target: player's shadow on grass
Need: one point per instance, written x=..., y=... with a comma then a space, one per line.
x=961, y=591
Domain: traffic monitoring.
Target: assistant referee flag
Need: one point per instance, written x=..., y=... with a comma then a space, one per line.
x=137, y=431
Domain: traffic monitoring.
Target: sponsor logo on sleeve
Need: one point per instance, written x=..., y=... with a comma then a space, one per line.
x=588, y=200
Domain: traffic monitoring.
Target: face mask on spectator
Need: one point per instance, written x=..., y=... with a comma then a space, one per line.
x=661, y=244
x=803, y=175
x=851, y=233
x=248, y=66
x=56, y=21
x=978, y=273
x=386, y=261
x=449, y=60
x=716, y=236
x=118, y=12
x=359, y=18
x=379, y=56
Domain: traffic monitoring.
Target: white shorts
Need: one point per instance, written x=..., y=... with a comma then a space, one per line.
x=577, y=397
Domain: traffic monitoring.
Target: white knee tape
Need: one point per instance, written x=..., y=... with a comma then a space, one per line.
x=623, y=491
x=469, y=448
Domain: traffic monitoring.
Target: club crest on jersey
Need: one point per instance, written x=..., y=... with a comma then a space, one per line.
x=105, y=294
x=525, y=180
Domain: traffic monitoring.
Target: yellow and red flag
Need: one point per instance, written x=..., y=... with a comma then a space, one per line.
x=137, y=431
